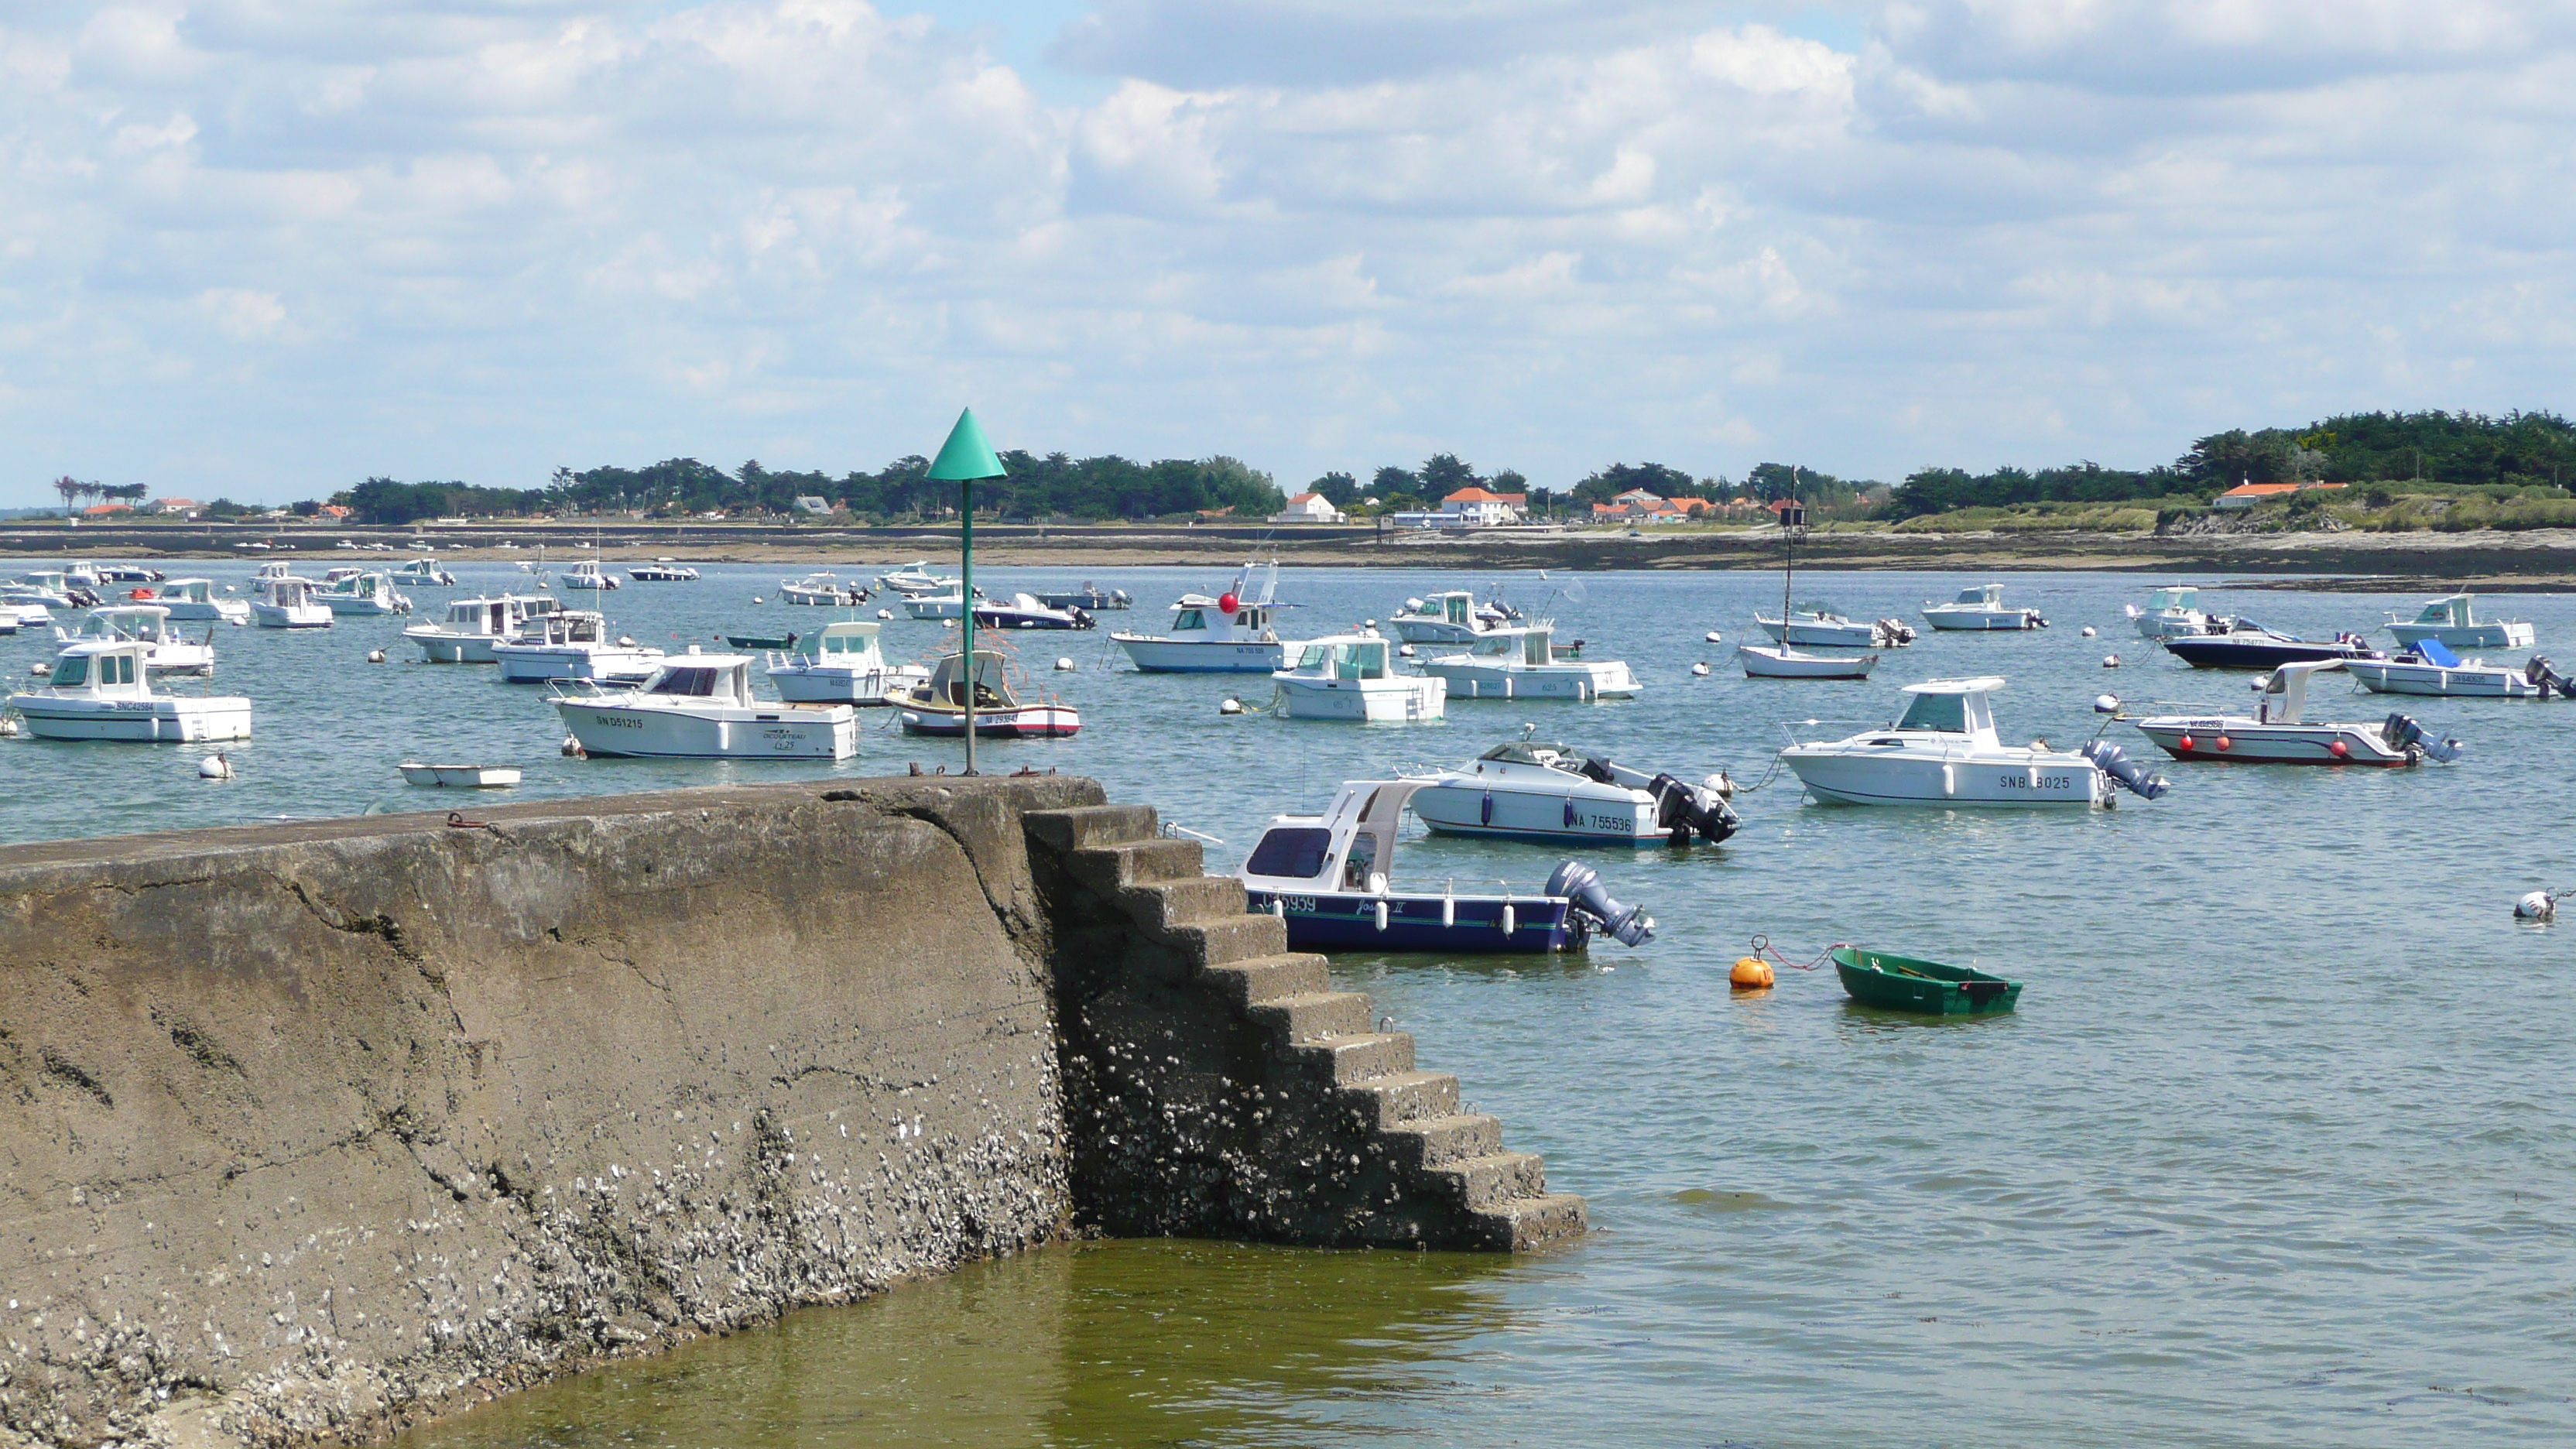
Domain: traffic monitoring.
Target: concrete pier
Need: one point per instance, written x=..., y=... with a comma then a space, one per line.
x=308, y=1130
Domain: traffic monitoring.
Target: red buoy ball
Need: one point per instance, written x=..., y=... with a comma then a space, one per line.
x=2185, y=743
x=2225, y=743
x=2338, y=749
x=1226, y=604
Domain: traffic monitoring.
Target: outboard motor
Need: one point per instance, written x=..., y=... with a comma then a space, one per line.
x=1681, y=809
x=2113, y=761
x=1581, y=887
x=2545, y=677
x=1889, y=633
x=2403, y=733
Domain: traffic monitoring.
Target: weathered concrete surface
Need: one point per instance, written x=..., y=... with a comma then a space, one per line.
x=306, y=1129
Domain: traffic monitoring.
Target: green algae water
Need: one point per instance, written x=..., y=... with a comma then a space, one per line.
x=2276, y=1150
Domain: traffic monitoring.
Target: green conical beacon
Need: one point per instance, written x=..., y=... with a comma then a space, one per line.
x=964, y=458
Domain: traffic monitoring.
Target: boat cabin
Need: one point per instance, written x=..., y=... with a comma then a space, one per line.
x=499, y=615
x=186, y=591
x=287, y=591
x=849, y=644
x=1981, y=596
x=1345, y=656
x=1951, y=707
x=102, y=669
x=2178, y=599
x=2285, y=691
x=716, y=678
x=52, y=581
x=1523, y=646
x=564, y=626
x=1349, y=848
x=948, y=682
x=2447, y=613
x=141, y=623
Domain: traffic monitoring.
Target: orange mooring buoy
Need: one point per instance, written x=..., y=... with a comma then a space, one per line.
x=1751, y=973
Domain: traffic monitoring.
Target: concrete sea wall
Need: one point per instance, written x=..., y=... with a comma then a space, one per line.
x=307, y=1130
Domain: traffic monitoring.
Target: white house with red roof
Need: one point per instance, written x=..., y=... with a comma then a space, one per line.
x=1473, y=507
x=1310, y=508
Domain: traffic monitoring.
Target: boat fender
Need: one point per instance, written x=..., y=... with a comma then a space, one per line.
x=1381, y=915
x=1580, y=886
x=2225, y=744
x=1509, y=925
x=1569, y=812
x=2338, y=749
x=2187, y=744
x=2537, y=906
x=1750, y=973
x=1485, y=809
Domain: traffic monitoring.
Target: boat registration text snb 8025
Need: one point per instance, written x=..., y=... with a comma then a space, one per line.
x=2037, y=782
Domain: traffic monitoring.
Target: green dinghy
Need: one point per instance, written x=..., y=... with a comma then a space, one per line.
x=1901, y=983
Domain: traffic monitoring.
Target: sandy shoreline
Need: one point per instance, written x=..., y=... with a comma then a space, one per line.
x=2535, y=560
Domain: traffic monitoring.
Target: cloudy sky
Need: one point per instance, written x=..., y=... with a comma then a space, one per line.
x=270, y=247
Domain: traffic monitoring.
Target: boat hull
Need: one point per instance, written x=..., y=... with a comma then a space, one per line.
x=867, y=687
x=462, y=777
x=359, y=607
x=1400, y=700
x=1452, y=925
x=605, y=727
x=1463, y=808
x=1847, y=634
x=534, y=665
x=191, y=612
x=1965, y=781
x=1023, y=722
x=1783, y=663
x=1902, y=983
x=1432, y=631
x=1605, y=680
x=1981, y=619
x=158, y=721
x=1181, y=656
x=2239, y=651
x=301, y=616
x=2249, y=743
x=437, y=646
x=2464, y=682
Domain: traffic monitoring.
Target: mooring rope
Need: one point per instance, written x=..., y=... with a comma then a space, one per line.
x=1762, y=947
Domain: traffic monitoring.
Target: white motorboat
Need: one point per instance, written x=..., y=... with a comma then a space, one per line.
x=661, y=571
x=1091, y=598
x=1529, y=791
x=1822, y=625
x=587, y=574
x=939, y=706
x=571, y=644
x=473, y=626
x=1980, y=606
x=25, y=610
x=194, y=601
x=101, y=689
x=1328, y=879
x=1451, y=617
x=2430, y=668
x=1352, y=677
x=947, y=603
x=2279, y=733
x=8, y=619
x=1229, y=634
x=1023, y=611
x=1518, y=661
x=288, y=602
x=1779, y=661
x=466, y=777
x=423, y=573
x=127, y=574
x=915, y=578
x=2450, y=620
x=820, y=588
x=46, y=587
x=700, y=707
x=149, y=624
x=1944, y=751
x=2171, y=612
x=363, y=592
x=841, y=663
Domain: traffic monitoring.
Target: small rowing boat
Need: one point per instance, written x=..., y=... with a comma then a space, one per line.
x=1902, y=983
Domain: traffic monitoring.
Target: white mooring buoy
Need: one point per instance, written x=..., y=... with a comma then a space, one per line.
x=1699, y=669
x=2088, y=631
x=1712, y=637
x=2106, y=704
x=2537, y=906
x=2110, y=661
x=375, y=656
x=214, y=767
x=1229, y=705
x=1064, y=664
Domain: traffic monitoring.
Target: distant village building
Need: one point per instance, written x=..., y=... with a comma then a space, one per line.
x=173, y=507
x=1310, y=508
x=1637, y=505
x=2246, y=495
x=335, y=511
x=106, y=510
x=1475, y=508
x=808, y=503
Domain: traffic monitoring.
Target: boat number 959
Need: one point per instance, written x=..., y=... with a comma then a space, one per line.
x=2038, y=782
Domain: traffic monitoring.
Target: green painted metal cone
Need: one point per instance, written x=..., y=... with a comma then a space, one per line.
x=965, y=455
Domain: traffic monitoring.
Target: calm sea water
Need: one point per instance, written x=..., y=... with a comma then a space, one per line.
x=2276, y=1152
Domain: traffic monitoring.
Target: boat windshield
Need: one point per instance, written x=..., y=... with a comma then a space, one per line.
x=1294, y=852
x=71, y=672
x=1534, y=648
x=1943, y=713
x=1523, y=752
x=694, y=682
x=1188, y=620
x=1455, y=608
x=1819, y=608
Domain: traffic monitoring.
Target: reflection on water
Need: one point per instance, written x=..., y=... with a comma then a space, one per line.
x=1082, y=1344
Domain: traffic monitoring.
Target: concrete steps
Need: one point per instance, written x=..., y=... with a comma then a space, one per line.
x=1444, y=1177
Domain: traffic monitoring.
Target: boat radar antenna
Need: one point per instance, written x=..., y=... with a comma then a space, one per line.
x=964, y=458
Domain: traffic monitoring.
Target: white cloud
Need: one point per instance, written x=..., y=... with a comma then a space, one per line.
x=1316, y=233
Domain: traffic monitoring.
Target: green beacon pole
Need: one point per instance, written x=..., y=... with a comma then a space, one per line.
x=964, y=458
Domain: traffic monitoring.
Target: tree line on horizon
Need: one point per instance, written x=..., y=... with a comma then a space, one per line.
x=2520, y=450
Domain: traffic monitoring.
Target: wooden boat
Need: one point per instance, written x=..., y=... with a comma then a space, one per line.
x=472, y=777
x=1902, y=983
